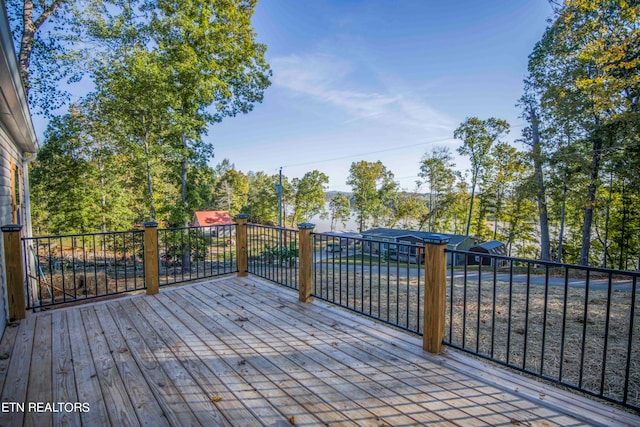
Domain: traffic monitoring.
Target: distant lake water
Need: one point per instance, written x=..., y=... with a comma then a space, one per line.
x=324, y=225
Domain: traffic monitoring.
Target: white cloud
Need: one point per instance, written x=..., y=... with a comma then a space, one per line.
x=331, y=80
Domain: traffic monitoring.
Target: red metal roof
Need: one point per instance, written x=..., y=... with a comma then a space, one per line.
x=204, y=218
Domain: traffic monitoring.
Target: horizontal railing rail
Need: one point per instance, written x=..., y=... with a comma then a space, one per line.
x=273, y=254
x=572, y=325
x=193, y=253
x=377, y=279
x=76, y=267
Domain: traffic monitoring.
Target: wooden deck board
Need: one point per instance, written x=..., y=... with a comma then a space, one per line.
x=413, y=377
x=164, y=385
x=112, y=386
x=148, y=345
x=86, y=376
x=318, y=378
x=243, y=352
x=268, y=402
x=159, y=317
x=328, y=363
x=268, y=378
x=15, y=386
x=64, y=383
x=6, y=347
x=40, y=387
x=139, y=372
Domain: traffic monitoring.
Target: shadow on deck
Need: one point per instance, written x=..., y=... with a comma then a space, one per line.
x=241, y=351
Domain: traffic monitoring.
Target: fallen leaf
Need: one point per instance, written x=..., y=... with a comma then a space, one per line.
x=216, y=398
x=122, y=350
x=242, y=319
x=292, y=420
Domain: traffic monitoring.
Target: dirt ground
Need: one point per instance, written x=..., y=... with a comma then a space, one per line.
x=535, y=329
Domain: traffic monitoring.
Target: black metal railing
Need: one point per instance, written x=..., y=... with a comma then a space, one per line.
x=192, y=253
x=75, y=267
x=272, y=253
x=377, y=279
x=573, y=325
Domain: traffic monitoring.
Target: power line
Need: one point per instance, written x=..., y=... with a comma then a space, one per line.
x=367, y=153
x=402, y=147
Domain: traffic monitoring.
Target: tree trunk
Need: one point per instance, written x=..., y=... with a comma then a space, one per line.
x=29, y=29
x=473, y=194
x=543, y=215
x=591, y=200
x=147, y=156
x=622, y=264
x=606, y=222
x=186, y=248
x=562, y=211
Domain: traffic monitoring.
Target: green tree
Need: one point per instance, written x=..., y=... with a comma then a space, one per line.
x=339, y=210
x=46, y=35
x=436, y=169
x=373, y=191
x=509, y=174
x=231, y=191
x=102, y=146
x=65, y=181
x=133, y=95
x=309, y=195
x=585, y=68
x=409, y=209
x=262, y=200
x=530, y=105
x=478, y=136
x=214, y=68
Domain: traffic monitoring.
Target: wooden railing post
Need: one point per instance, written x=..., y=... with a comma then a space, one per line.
x=435, y=279
x=151, y=257
x=241, y=244
x=14, y=270
x=305, y=255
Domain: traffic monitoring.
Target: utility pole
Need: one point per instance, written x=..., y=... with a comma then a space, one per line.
x=279, y=190
x=279, y=187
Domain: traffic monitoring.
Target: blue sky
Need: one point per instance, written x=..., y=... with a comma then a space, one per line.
x=379, y=80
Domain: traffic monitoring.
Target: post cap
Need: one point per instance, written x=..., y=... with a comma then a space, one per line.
x=150, y=224
x=241, y=216
x=11, y=227
x=437, y=239
x=306, y=226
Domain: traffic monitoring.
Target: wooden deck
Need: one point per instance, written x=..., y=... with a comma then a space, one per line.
x=243, y=352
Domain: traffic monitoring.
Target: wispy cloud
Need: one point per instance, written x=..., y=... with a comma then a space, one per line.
x=332, y=80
